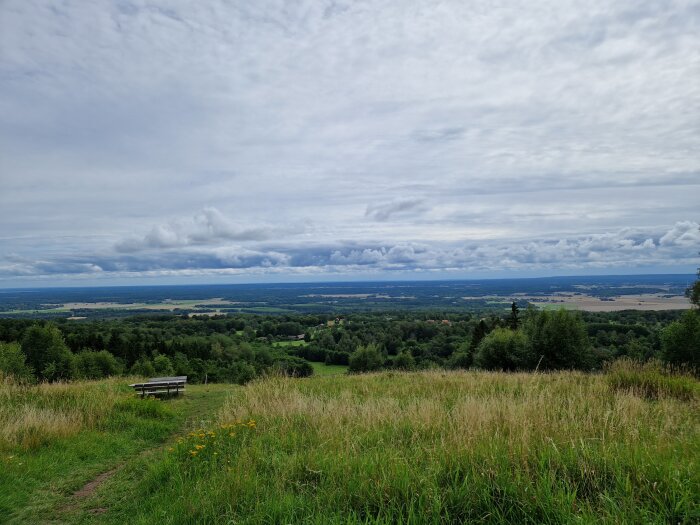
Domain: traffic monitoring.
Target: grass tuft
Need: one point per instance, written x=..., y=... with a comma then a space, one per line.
x=651, y=380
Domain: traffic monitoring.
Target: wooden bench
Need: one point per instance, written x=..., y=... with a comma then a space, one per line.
x=161, y=386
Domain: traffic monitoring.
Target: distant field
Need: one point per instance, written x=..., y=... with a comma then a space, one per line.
x=595, y=293
x=205, y=305
x=617, y=303
x=289, y=343
x=321, y=369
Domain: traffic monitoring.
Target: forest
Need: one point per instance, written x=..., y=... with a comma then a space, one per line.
x=236, y=348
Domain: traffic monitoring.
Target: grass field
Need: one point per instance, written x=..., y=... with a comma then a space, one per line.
x=424, y=447
x=322, y=369
x=55, y=438
x=289, y=343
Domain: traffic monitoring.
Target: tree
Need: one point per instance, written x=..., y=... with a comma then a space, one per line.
x=47, y=353
x=693, y=292
x=559, y=338
x=163, y=366
x=513, y=320
x=12, y=363
x=404, y=361
x=480, y=331
x=96, y=365
x=504, y=349
x=143, y=367
x=680, y=341
x=366, y=359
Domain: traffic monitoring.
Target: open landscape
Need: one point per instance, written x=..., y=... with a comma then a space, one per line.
x=423, y=447
x=539, y=414
x=341, y=262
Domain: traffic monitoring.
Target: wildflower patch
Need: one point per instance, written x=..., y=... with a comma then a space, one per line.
x=213, y=448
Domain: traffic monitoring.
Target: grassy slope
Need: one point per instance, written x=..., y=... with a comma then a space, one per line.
x=56, y=438
x=429, y=447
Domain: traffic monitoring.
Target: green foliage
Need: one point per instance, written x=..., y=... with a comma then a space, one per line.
x=681, y=340
x=47, y=353
x=651, y=380
x=514, y=319
x=404, y=361
x=12, y=363
x=366, y=359
x=96, y=365
x=143, y=368
x=294, y=366
x=163, y=366
x=504, y=349
x=559, y=338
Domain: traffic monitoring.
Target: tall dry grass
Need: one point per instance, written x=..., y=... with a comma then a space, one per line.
x=31, y=415
x=454, y=447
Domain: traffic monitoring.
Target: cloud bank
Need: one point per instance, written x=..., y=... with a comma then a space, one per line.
x=145, y=138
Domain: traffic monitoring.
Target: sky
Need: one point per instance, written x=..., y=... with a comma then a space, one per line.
x=164, y=141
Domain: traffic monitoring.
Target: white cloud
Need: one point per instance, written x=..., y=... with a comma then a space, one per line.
x=533, y=133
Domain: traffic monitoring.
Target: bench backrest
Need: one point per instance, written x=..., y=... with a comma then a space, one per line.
x=174, y=378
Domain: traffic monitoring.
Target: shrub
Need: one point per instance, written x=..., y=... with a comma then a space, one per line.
x=404, y=361
x=12, y=363
x=47, y=353
x=681, y=340
x=366, y=359
x=96, y=365
x=503, y=349
x=559, y=338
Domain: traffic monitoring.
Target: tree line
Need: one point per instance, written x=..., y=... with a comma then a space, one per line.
x=237, y=348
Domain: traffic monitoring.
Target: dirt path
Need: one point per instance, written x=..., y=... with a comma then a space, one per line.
x=201, y=406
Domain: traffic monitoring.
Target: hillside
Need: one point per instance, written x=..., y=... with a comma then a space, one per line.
x=424, y=447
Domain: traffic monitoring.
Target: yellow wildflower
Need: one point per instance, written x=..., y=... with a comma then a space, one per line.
x=193, y=452
x=199, y=447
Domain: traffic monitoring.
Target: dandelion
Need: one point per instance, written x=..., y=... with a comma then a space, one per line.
x=199, y=447
x=193, y=453
x=201, y=436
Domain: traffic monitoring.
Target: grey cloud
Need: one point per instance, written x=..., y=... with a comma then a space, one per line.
x=207, y=227
x=606, y=250
x=686, y=234
x=482, y=135
x=386, y=211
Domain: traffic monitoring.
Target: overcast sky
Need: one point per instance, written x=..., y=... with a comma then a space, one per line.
x=241, y=141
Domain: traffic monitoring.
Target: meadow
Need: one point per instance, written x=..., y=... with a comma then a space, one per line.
x=398, y=447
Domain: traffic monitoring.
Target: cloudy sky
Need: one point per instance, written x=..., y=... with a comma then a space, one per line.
x=237, y=141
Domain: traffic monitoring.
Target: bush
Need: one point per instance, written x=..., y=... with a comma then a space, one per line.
x=294, y=366
x=47, y=353
x=366, y=359
x=560, y=339
x=404, y=361
x=12, y=363
x=96, y=365
x=503, y=349
x=163, y=366
x=681, y=340
x=650, y=380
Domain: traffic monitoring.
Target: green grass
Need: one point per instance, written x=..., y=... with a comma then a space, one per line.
x=289, y=343
x=321, y=369
x=652, y=380
x=429, y=447
x=415, y=448
x=56, y=438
